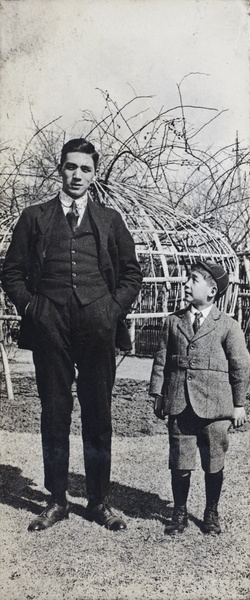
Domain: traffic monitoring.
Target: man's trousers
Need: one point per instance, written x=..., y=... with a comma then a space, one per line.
x=81, y=336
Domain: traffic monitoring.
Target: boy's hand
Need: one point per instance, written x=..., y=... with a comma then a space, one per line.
x=158, y=407
x=239, y=416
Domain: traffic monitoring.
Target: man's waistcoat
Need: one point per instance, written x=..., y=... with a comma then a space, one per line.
x=71, y=262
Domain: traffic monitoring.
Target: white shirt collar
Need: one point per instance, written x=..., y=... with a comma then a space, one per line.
x=66, y=200
x=205, y=312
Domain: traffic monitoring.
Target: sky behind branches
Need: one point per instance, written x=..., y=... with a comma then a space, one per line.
x=56, y=53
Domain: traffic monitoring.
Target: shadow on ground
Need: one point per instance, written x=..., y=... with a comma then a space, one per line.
x=20, y=493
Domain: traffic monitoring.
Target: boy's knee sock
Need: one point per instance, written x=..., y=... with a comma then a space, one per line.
x=213, y=483
x=180, y=486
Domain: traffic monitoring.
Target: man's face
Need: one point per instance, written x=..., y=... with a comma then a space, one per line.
x=77, y=173
x=198, y=290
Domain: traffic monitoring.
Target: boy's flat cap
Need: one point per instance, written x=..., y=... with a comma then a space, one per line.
x=218, y=273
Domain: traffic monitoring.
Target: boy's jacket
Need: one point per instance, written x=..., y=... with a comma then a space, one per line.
x=209, y=369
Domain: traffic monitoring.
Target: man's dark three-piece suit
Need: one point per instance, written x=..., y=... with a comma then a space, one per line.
x=76, y=288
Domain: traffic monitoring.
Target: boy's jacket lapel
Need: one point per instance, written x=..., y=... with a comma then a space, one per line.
x=208, y=325
x=185, y=324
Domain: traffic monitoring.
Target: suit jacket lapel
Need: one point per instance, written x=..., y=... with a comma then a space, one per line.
x=185, y=324
x=100, y=221
x=46, y=212
x=209, y=324
x=44, y=220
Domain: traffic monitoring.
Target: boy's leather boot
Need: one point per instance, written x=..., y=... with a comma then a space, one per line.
x=179, y=520
x=180, y=487
x=211, y=520
x=213, y=482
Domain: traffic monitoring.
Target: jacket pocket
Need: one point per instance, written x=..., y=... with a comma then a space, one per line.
x=115, y=306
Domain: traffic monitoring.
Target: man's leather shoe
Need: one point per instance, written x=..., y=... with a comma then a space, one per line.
x=53, y=513
x=179, y=521
x=211, y=521
x=103, y=515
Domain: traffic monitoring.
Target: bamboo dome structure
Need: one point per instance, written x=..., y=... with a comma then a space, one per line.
x=167, y=243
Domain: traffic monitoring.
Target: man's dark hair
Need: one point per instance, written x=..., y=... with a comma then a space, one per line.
x=79, y=145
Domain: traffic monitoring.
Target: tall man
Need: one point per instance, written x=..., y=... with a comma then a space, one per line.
x=72, y=273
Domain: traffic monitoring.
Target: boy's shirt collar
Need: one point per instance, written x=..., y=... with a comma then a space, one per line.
x=205, y=312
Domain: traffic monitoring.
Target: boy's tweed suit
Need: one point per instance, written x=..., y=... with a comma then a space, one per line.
x=208, y=370
x=198, y=379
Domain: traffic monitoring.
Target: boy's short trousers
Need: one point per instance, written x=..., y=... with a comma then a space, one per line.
x=187, y=431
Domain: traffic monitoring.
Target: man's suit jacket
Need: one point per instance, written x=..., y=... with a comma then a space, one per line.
x=210, y=369
x=23, y=264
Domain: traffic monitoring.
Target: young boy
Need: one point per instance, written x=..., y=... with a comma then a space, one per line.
x=199, y=378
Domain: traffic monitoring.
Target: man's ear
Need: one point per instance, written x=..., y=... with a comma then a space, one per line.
x=59, y=168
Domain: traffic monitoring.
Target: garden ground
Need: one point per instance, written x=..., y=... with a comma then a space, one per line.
x=78, y=560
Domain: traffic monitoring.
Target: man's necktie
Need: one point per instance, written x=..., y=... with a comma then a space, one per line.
x=72, y=216
x=197, y=321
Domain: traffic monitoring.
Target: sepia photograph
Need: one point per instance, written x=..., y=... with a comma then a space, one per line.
x=124, y=299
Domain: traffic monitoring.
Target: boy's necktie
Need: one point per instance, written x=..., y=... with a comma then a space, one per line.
x=72, y=216
x=197, y=321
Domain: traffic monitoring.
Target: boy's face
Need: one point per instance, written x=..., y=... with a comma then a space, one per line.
x=199, y=291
